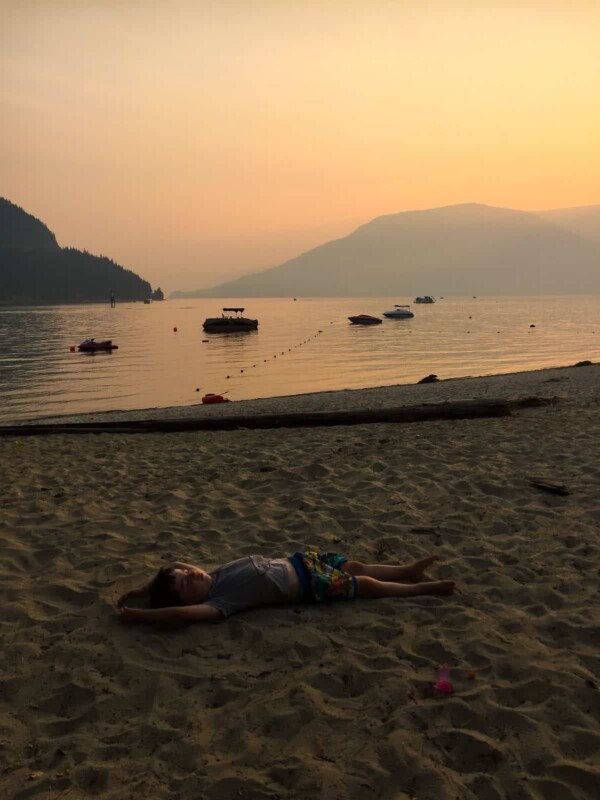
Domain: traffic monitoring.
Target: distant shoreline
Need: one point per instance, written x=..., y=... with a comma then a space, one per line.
x=386, y=296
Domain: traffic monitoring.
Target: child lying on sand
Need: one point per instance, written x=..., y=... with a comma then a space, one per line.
x=182, y=592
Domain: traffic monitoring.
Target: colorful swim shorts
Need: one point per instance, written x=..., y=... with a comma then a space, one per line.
x=322, y=577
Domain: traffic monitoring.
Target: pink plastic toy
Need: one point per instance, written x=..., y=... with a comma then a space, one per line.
x=444, y=684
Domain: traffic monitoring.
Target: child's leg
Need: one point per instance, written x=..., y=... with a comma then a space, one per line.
x=383, y=572
x=371, y=588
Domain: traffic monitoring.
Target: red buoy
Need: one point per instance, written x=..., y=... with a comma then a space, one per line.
x=72, y=348
x=174, y=330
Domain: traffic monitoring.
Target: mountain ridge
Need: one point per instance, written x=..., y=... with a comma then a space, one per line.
x=467, y=248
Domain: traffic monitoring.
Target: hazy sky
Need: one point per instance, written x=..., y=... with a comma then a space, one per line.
x=194, y=141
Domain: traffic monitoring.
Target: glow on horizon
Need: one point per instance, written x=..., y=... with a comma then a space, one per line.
x=196, y=141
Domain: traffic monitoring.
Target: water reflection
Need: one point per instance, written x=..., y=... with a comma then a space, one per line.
x=307, y=345
x=29, y=349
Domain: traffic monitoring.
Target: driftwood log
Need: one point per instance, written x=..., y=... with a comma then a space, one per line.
x=550, y=486
x=459, y=409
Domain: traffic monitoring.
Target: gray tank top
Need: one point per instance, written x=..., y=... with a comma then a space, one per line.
x=249, y=582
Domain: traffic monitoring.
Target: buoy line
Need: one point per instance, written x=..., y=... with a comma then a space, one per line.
x=247, y=367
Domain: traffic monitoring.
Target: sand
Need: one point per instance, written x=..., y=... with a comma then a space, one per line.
x=306, y=702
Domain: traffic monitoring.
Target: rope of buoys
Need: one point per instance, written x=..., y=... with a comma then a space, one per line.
x=208, y=397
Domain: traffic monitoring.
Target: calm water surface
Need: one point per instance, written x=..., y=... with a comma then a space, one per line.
x=301, y=346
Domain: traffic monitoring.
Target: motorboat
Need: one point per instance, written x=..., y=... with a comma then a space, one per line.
x=399, y=312
x=92, y=346
x=365, y=319
x=229, y=322
x=425, y=299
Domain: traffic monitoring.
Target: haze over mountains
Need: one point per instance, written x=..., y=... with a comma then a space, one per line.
x=462, y=249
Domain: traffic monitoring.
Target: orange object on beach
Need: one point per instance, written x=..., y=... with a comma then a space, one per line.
x=213, y=398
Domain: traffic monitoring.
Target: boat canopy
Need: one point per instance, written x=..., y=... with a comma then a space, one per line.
x=234, y=309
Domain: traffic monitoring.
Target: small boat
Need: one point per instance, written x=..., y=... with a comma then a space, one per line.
x=91, y=345
x=230, y=321
x=425, y=299
x=365, y=319
x=399, y=312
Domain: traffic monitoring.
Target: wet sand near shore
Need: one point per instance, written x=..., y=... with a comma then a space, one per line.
x=305, y=701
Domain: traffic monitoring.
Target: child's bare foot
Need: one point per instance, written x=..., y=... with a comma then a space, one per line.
x=443, y=587
x=416, y=570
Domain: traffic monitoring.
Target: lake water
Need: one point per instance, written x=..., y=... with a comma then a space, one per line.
x=301, y=346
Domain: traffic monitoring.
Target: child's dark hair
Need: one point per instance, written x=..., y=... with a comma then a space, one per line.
x=162, y=590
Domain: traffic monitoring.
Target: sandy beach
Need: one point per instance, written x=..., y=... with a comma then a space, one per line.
x=305, y=701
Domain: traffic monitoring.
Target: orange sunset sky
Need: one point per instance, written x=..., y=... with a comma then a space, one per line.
x=197, y=141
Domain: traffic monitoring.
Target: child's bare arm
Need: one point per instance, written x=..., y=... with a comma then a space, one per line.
x=141, y=591
x=199, y=613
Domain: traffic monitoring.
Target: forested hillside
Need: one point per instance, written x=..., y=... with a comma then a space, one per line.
x=34, y=270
